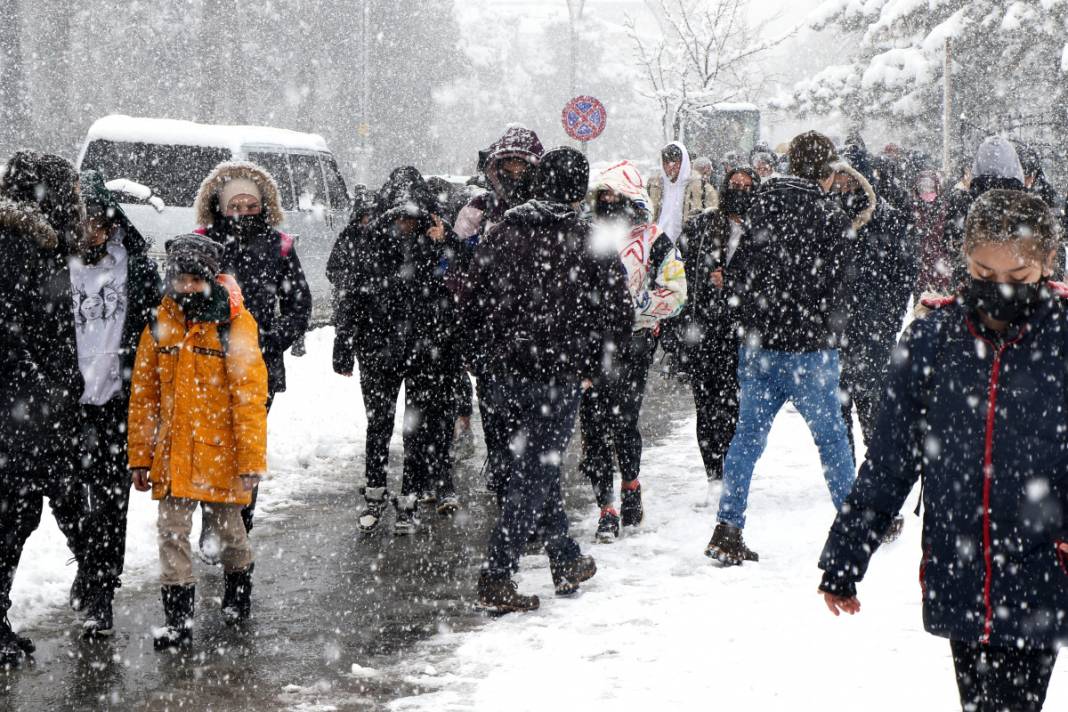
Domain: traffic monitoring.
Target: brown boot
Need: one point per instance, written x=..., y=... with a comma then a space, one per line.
x=568, y=576
x=501, y=595
x=727, y=546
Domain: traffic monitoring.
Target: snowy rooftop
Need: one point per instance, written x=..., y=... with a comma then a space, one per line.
x=130, y=129
x=735, y=106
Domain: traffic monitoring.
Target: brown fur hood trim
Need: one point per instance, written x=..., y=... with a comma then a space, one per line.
x=205, y=205
x=27, y=219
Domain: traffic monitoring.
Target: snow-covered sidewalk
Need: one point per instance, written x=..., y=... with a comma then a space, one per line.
x=662, y=628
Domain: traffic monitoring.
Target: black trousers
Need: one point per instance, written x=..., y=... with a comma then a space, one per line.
x=608, y=417
x=429, y=405
x=995, y=679
x=103, y=492
x=714, y=379
x=495, y=435
x=21, y=503
x=464, y=394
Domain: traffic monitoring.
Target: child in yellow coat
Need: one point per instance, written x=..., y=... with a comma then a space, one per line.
x=198, y=427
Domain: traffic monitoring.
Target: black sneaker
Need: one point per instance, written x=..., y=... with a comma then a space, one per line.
x=371, y=515
x=896, y=527
x=79, y=589
x=178, y=608
x=237, y=595
x=14, y=648
x=448, y=504
x=608, y=525
x=728, y=548
x=501, y=595
x=406, y=522
x=630, y=507
x=99, y=621
x=568, y=576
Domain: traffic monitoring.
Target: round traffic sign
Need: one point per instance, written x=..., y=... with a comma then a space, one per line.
x=584, y=118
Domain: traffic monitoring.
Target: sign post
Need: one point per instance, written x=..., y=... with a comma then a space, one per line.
x=584, y=119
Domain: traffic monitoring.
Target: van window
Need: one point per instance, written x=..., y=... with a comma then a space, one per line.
x=308, y=179
x=339, y=196
x=275, y=164
x=174, y=173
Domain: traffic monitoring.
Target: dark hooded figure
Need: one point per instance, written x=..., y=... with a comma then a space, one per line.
x=996, y=167
x=238, y=206
x=116, y=289
x=41, y=217
x=509, y=168
x=398, y=320
x=711, y=334
x=544, y=311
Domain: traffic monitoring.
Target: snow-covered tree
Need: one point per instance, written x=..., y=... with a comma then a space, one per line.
x=706, y=53
x=1009, y=65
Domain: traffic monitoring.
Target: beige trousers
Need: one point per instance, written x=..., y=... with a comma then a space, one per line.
x=175, y=524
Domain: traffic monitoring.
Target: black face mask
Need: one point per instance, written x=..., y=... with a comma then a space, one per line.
x=735, y=202
x=1012, y=303
x=620, y=210
x=246, y=227
x=92, y=255
x=517, y=190
x=194, y=305
x=854, y=203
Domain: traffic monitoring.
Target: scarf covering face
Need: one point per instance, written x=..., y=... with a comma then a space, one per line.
x=671, y=206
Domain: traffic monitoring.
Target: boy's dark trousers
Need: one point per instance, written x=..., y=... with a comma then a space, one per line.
x=103, y=492
x=993, y=679
x=608, y=418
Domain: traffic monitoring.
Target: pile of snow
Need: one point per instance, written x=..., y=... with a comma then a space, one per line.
x=313, y=443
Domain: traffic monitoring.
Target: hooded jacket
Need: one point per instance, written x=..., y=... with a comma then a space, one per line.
x=656, y=275
x=788, y=275
x=980, y=417
x=396, y=308
x=198, y=414
x=697, y=195
x=543, y=303
x=42, y=383
x=265, y=265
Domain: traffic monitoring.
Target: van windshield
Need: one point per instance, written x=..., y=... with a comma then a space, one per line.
x=174, y=173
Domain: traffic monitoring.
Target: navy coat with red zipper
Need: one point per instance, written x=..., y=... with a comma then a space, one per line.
x=983, y=417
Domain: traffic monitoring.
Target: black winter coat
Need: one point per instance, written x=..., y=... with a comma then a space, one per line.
x=879, y=280
x=275, y=290
x=393, y=308
x=709, y=323
x=982, y=418
x=41, y=382
x=541, y=303
x=143, y=295
x=788, y=275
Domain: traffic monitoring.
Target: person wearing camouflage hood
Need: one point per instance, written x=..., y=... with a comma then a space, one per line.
x=115, y=288
x=41, y=217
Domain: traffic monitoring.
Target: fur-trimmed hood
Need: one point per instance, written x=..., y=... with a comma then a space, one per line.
x=206, y=205
x=27, y=219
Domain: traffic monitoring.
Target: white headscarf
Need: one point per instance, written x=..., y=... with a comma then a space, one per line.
x=671, y=204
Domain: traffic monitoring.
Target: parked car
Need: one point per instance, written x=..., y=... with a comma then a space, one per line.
x=170, y=158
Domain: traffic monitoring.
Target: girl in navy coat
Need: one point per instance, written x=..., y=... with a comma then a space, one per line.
x=977, y=407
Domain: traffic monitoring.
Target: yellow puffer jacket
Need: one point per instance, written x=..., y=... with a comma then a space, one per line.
x=198, y=407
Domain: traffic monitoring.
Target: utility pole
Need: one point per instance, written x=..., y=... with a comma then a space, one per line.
x=364, y=129
x=948, y=110
x=574, y=12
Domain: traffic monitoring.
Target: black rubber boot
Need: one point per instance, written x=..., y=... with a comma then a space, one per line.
x=630, y=506
x=178, y=608
x=14, y=648
x=99, y=619
x=237, y=596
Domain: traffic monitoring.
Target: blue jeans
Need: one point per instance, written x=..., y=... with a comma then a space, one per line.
x=768, y=379
x=538, y=419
